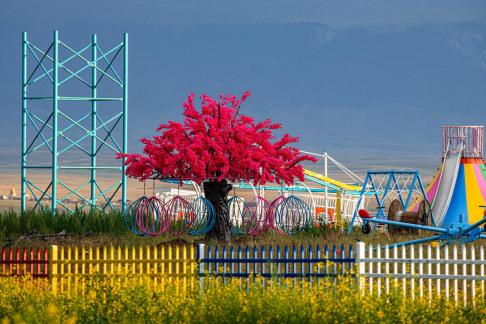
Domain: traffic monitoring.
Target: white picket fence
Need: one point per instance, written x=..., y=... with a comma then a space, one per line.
x=456, y=271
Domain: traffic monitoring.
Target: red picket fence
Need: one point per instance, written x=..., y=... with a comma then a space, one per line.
x=24, y=261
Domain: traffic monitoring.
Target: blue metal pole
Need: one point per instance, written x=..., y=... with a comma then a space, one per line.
x=93, y=121
x=424, y=240
x=125, y=118
x=380, y=212
x=24, y=122
x=475, y=225
x=407, y=225
x=424, y=194
x=55, y=97
x=410, y=192
x=355, y=213
x=396, y=187
x=422, y=188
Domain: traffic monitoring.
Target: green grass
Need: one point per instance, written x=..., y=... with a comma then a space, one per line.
x=99, y=228
x=14, y=224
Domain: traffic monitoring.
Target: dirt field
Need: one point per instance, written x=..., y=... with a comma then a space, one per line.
x=11, y=181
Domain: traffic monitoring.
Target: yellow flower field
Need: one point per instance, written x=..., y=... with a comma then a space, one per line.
x=111, y=300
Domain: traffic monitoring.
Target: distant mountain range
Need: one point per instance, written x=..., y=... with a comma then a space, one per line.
x=373, y=97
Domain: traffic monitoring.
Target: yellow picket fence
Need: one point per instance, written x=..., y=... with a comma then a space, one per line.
x=74, y=268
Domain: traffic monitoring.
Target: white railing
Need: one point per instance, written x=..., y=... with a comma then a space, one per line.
x=456, y=272
x=466, y=139
x=318, y=203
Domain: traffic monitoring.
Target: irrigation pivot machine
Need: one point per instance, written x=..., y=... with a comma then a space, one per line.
x=457, y=194
x=74, y=121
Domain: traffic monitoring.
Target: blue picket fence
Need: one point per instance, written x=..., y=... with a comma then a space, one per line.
x=275, y=262
x=373, y=269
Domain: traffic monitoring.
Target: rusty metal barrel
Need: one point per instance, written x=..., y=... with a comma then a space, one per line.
x=423, y=216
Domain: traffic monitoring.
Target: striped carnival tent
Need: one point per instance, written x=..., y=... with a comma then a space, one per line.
x=458, y=190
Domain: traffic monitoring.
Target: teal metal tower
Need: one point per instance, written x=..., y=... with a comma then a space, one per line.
x=74, y=122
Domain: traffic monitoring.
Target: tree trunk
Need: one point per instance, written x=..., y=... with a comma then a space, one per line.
x=217, y=193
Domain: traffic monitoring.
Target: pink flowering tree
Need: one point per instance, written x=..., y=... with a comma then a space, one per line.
x=217, y=145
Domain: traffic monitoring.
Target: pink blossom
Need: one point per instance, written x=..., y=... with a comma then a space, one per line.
x=218, y=142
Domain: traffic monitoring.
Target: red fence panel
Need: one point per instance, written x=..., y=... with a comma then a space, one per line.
x=19, y=262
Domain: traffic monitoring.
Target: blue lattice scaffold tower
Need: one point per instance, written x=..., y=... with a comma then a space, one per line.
x=74, y=122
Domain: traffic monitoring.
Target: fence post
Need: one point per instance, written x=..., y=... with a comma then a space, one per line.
x=200, y=258
x=473, y=274
x=481, y=257
x=53, y=263
x=360, y=256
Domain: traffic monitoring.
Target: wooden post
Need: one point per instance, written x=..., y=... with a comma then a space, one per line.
x=201, y=265
x=404, y=271
x=370, y=267
x=156, y=267
x=94, y=263
x=438, y=270
x=379, y=252
x=184, y=266
x=105, y=257
x=473, y=274
x=224, y=265
x=361, y=270
x=262, y=254
x=395, y=266
x=140, y=264
x=387, y=269
x=447, y=272
x=294, y=264
x=421, y=271
x=481, y=257
x=338, y=210
x=310, y=264
x=232, y=256
x=464, y=273
x=429, y=271
x=454, y=257
x=148, y=264
x=53, y=264
x=193, y=266
x=412, y=271
x=119, y=265
x=112, y=260
x=76, y=270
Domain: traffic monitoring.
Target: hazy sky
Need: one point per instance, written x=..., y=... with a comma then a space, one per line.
x=336, y=13
x=372, y=81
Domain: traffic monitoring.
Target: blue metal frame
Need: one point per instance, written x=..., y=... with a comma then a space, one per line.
x=33, y=132
x=460, y=232
x=370, y=187
x=455, y=233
